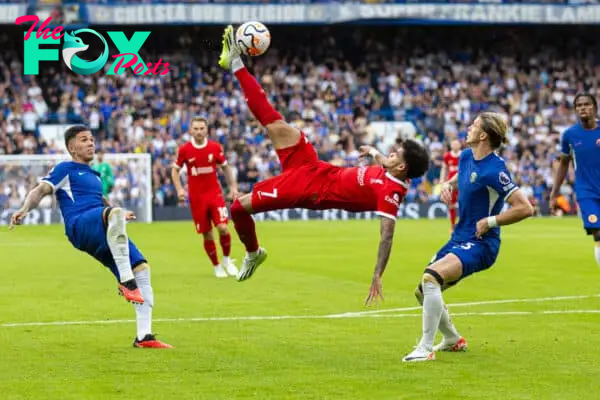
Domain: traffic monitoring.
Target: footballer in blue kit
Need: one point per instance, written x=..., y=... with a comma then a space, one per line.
x=581, y=144
x=94, y=227
x=484, y=184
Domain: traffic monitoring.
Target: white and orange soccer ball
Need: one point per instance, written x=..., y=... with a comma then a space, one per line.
x=253, y=38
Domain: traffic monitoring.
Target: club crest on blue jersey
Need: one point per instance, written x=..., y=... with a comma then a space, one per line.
x=473, y=177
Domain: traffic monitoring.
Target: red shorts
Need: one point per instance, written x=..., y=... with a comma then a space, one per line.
x=209, y=211
x=291, y=188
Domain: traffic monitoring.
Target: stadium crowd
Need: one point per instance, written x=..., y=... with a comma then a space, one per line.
x=437, y=79
x=336, y=1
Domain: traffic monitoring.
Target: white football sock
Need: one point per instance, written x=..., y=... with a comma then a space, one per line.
x=433, y=306
x=118, y=243
x=226, y=260
x=597, y=252
x=237, y=63
x=143, y=312
x=447, y=327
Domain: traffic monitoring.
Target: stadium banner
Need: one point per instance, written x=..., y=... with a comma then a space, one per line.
x=166, y=14
x=430, y=210
x=180, y=13
x=10, y=12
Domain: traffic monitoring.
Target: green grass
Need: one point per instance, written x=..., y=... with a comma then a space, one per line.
x=314, y=269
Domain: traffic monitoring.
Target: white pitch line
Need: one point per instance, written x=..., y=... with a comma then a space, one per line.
x=472, y=303
x=362, y=314
x=284, y=317
x=483, y=313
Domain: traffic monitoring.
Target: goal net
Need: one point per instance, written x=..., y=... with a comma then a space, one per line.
x=20, y=173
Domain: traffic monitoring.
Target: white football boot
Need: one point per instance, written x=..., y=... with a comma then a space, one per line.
x=251, y=263
x=420, y=354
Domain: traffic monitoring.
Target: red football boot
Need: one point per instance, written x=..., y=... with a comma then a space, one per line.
x=150, y=342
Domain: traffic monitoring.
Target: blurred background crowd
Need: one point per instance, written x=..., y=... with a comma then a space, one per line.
x=338, y=84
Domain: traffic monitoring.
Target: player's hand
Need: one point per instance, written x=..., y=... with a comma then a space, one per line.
x=16, y=218
x=181, y=195
x=482, y=228
x=446, y=193
x=233, y=194
x=129, y=216
x=375, y=292
x=366, y=150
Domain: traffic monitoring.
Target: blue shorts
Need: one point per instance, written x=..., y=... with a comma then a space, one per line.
x=590, y=213
x=88, y=234
x=475, y=255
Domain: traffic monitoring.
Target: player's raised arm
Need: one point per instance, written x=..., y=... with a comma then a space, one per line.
x=383, y=255
x=31, y=201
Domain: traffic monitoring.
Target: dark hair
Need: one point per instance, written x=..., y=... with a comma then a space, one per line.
x=416, y=158
x=73, y=131
x=494, y=125
x=589, y=96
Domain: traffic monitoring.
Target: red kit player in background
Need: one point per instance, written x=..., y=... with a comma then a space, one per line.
x=202, y=157
x=309, y=183
x=449, y=169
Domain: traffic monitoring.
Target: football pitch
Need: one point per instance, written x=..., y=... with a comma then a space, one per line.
x=298, y=329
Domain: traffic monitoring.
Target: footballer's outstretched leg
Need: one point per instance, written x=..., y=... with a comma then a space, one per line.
x=118, y=243
x=281, y=134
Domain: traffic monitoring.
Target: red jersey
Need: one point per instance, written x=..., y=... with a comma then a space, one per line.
x=201, y=162
x=365, y=189
x=451, y=163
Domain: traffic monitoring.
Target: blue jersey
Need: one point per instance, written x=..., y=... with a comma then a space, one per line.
x=483, y=186
x=584, y=146
x=77, y=187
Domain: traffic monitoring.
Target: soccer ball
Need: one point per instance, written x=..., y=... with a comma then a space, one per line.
x=253, y=38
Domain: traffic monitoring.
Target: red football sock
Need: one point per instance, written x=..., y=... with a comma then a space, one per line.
x=256, y=98
x=244, y=226
x=211, y=250
x=225, y=244
x=453, y=216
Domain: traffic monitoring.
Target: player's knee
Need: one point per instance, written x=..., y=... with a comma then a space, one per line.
x=283, y=134
x=432, y=276
x=223, y=230
x=208, y=235
x=116, y=213
x=116, y=226
x=278, y=128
